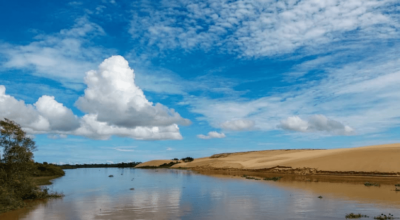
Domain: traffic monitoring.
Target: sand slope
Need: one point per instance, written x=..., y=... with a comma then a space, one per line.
x=379, y=158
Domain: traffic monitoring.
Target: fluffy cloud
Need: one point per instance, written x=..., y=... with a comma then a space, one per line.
x=95, y=129
x=113, y=104
x=114, y=98
x=60, y=118
x=211, y=135
x=262, y=28
x=316, y=123
x=238, y=125
x=45, y=115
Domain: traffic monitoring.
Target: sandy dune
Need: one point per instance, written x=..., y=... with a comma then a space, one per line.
x=379, y=158
x=153, y=163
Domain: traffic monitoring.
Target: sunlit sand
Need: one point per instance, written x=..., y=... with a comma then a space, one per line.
x=378, y=159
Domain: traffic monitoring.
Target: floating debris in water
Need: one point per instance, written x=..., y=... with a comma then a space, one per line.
x=371, y=184
x=275, y=178
x=384, y=217
x=111, y=176
x=320, y=197
x=132, y=189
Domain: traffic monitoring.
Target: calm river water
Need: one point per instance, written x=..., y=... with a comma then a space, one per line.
x=182, y=194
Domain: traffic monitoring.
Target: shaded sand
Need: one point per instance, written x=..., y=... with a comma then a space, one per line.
x=371, y=159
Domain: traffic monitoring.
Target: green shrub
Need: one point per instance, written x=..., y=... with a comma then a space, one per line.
x=371, y=184
x=187, y=159
x=275, y=178
x=352, y=215
x=384, y=217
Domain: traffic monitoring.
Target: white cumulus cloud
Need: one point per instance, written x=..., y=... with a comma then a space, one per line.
x=59, y=117
x=113, y=104
x=114, y=98
x=92, y=128
x=211, y=135
x=45, y=115
x=316, y=123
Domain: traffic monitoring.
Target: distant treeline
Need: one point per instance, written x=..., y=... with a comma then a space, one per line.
x=98, y=165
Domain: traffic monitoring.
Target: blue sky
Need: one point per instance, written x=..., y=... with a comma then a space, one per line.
x=117, y=81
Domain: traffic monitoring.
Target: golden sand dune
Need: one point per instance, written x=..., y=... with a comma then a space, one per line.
x=154, y=163
x=375, y=159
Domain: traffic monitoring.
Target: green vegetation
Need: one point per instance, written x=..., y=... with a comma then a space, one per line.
x=384, y=217
x=17, y=168
x=43, y=180
x=352, y=215
x=187, y=159
x=371, y=184
x=251, y=178
x=45, y=169
x=275, y=178
x=167, y=165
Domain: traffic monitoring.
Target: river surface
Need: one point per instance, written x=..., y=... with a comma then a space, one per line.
x=182, y=194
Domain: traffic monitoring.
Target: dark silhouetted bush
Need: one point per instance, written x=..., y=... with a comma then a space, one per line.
x=187, y=159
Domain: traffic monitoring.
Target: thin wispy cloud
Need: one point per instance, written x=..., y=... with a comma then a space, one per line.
x=356, y=94
x=125, y=149
x=64, y=56
x=262, y=28
x=211, y=135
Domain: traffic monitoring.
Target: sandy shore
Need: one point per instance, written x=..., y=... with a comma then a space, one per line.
x=370, y=160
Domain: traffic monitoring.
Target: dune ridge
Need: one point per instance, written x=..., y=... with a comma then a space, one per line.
x=377, y=159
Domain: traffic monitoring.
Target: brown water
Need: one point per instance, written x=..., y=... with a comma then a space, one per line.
x=182, y=194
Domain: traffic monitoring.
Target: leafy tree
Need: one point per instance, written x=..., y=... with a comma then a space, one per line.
x=16, y=167
x=17, y=146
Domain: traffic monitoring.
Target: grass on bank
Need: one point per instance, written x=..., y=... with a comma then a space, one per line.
x=17, y=192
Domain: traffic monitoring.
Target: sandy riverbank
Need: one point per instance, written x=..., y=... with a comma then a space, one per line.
x=370, y=160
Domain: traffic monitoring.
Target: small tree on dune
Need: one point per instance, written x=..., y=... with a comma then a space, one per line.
x=187, y=159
